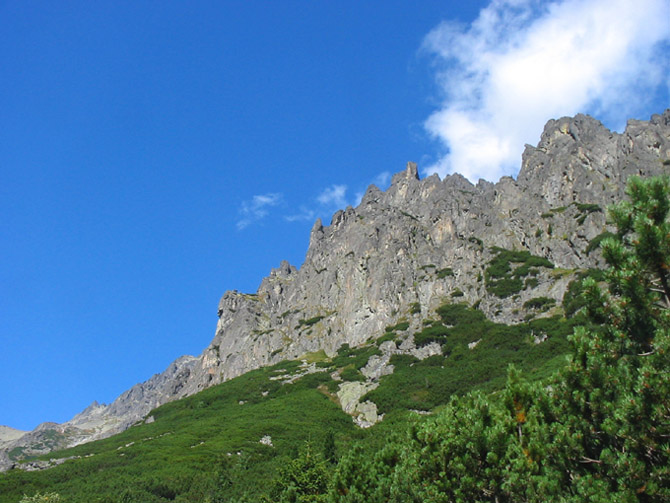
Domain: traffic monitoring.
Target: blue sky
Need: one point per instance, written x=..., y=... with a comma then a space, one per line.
x=156, y=154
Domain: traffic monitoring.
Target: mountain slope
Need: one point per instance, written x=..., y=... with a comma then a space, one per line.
x=231, y=440
x=98, y=421
x=510, y=248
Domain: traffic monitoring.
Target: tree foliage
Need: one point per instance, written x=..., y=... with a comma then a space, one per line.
x=302, y=480
x=614, y=395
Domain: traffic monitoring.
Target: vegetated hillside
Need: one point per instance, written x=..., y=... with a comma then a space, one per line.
x=597, y=430
x=231, y=441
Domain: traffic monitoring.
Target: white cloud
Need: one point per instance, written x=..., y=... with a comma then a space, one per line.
x=333, y=198
x=335, y=195
x=257, y=208
x=522, y=62
x=382, y=180
x=304, y=214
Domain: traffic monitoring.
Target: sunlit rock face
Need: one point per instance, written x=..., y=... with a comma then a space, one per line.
x=402, y=252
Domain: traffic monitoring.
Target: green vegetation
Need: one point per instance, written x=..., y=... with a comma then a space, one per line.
x=587, y=208
x=530, y=283
x=202, y=447
x=309, y=322
x=399, y=327
x=388, y=336
x=207, y=447
x=303, y=479
x=315, y=356
x=433, y=333
x=355, y=357
x=595, y=242
x=459, y=314
x=425, y=384
x=503, y=278
x=540, y=303
x=443, y=273
x=583, y=210
x=573, y=298
x=349, y=373
x=554, y=211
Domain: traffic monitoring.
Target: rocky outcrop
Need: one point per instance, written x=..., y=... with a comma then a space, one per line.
x=403, y=252
x=349, y=395
x=8, y=434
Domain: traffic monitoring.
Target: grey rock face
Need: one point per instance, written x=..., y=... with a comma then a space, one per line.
x=8, y=434
x=349, y=395
x=400, y=254
x=375, y=263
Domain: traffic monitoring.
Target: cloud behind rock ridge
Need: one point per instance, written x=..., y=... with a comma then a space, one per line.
x=522, y=62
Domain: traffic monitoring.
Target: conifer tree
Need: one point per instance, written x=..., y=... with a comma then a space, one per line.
x=303, y=480
x=613, y=402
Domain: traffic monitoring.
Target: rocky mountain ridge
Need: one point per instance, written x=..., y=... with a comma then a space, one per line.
x=399, y=255
x=422, y=241
x=97, y=420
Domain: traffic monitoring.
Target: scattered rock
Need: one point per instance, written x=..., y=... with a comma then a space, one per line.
x=349, y=395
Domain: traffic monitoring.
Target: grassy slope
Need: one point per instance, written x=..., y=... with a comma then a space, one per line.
x=189, y=442
x=191, y=450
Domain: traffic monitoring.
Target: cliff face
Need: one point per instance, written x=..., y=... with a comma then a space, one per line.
x=401, y=253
